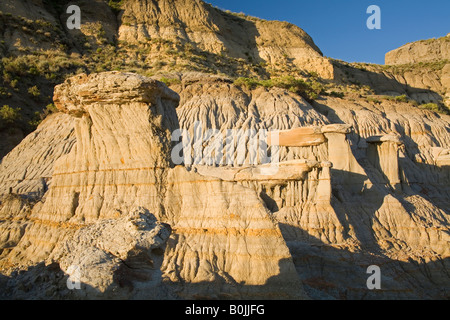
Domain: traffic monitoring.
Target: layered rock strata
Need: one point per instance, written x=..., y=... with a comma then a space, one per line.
x=421, y=51
x=353, y=185
x=121, y=160
x=210, y=30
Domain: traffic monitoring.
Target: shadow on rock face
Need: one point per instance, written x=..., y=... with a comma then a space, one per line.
x=326, y=273
x=49, y=282
x=331, y=273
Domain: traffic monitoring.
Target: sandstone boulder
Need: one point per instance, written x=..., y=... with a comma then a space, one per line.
x=100, y=255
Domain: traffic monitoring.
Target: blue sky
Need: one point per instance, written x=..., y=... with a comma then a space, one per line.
x=338, y=27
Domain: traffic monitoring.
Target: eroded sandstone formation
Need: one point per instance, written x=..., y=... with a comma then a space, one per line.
x=354, y=185
x=421, y=51
x=121, y=160
x=211, y=30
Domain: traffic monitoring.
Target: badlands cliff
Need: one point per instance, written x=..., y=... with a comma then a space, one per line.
x=166, y=38
x=421, y=51
x=204, y=188
x=356, y=185
x=38, y=51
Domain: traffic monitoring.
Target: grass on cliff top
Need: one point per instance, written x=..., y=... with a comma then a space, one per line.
x=439, y=108
x=431, y=65
x=116, y=5
x=431, y=40
x=435, y=107
x=309, y=90
x=13, y=117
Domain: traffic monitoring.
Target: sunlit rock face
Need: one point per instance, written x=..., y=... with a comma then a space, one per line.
x=344, y=185
x=225, y=244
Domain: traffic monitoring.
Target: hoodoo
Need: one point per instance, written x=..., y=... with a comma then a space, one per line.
x=227, y=159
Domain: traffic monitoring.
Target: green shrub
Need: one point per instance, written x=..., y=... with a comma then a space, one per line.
x=249, y=83
x=435, y=108
x=13, y=83
x=430, y=106
x=308, y=90
x=40, y=116
x=373, y=100
x=389, y=98
x=170, y=81
x=116, y=5
x=402, y=98
x=34, y=92
x=50, y=108
x=36, y=120
x=9, y=116
x=337, y=94
x=33, y=71
x=4, y=93
x=17, y=65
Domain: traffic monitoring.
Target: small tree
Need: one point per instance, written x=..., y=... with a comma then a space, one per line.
x=34, y=92
x=9, y=116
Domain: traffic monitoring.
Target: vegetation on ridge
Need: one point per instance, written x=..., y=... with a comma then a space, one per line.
x=439, y=108
x=116, y=5
x=310, y=90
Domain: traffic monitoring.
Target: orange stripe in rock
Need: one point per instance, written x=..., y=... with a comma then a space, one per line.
x=108, y=170
x=230, y=231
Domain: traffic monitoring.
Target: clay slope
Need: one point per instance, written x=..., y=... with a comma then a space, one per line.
x=211, y=31
x=161, y=35
x=421, y=51
x=424, y=64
